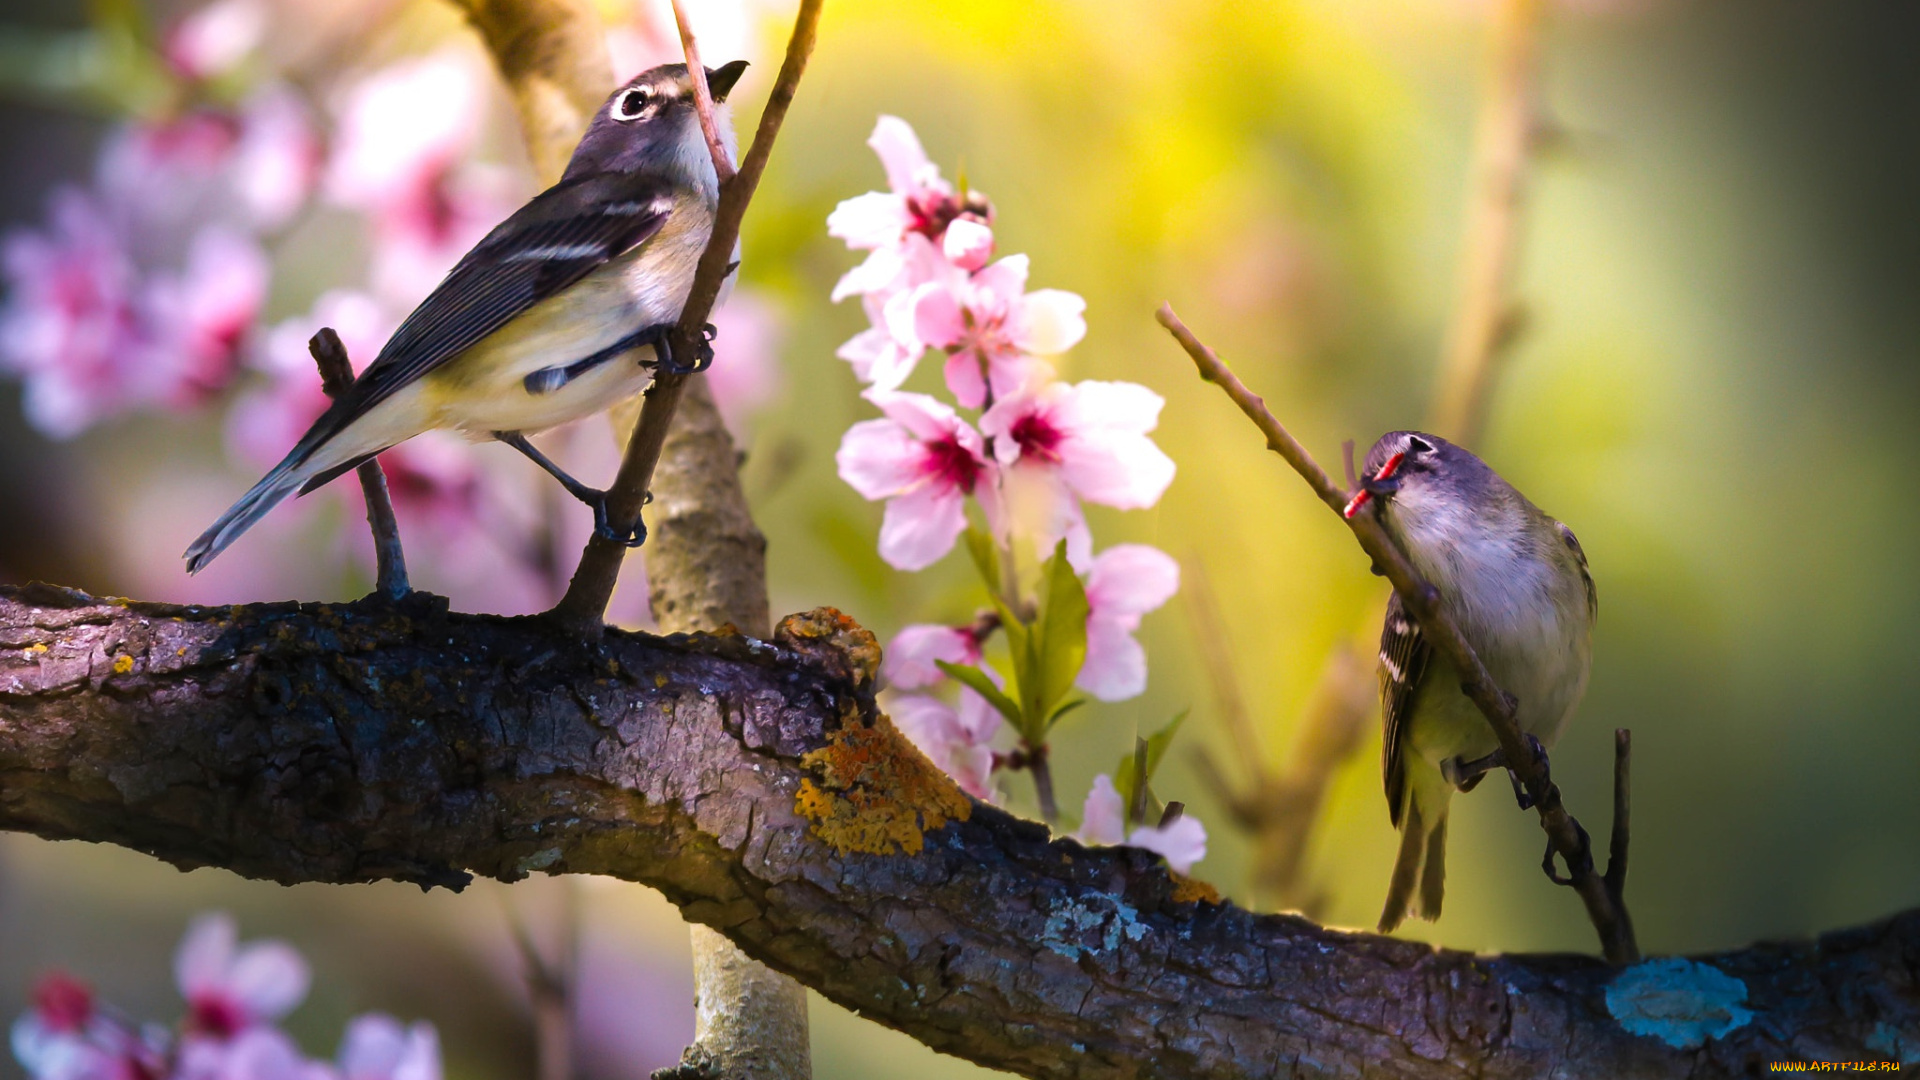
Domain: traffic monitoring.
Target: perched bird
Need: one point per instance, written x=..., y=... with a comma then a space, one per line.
x=561, y=311
x=1516, y=584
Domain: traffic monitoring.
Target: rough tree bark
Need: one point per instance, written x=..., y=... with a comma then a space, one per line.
x=756, y=785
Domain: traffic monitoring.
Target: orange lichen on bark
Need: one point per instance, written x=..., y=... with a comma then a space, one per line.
x=1188, y=890
x=831, y=627
x=873, y=791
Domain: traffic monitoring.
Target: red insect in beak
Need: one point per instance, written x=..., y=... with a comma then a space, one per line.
x=1386, y=472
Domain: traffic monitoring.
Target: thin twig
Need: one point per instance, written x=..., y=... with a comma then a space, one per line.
x=336, y=374
x=1564, y=834
x=584, y=606
x=1622, y=811
x=1485, y=322
x=702, y=96
x=550, y=987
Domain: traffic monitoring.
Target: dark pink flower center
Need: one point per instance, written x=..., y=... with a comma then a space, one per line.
x=215, y=1015
x=63, y=1002
x=931, y=212
x=952, y=464
x=1036, y=437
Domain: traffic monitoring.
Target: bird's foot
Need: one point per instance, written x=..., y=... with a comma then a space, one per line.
x=660, y=335
x=1581, y=862
x=632, y=536
x=1466, y=775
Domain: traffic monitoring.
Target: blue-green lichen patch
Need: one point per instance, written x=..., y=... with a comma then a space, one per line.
x=1091, y=924
x=1679, y=1002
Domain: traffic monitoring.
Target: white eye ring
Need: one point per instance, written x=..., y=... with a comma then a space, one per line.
x=629, y=104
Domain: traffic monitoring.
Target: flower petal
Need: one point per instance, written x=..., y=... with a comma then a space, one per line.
x=206, y=952
x=1182, y=843
x=1131, y=579
x=1116, y=665
x=875, y=220
x=968, y=244
x=876, y=272
x=268, y=979
x=900, y=154
x=1051, y=321
x=921, y=526
x=1103, y=818
x=879, y=458
x=910, y=656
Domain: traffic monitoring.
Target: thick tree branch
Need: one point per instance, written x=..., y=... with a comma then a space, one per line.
x=553, y=56
x=1565, y=836
x=756, y=786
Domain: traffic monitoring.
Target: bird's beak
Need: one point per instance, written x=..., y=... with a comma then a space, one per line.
x=1381, y=485
x=720, y=80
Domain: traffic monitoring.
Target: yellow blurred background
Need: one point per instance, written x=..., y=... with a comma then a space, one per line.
x=1715, y=387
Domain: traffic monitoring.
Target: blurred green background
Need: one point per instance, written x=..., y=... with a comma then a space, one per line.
x=1717, y=388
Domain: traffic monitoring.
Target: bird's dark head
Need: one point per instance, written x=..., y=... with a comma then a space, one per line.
x=650, y=124
x=1410, y=465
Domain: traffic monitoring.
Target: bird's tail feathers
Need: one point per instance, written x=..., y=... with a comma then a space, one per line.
x=283, y=480
x=1422, y=861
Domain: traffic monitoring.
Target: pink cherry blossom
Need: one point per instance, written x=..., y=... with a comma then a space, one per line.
x=1091, y=437
x=230, y=989
x=378, y=1047
x=258, y=1053
x=958, y=740
x=1182, y=842
x=1103, y=817
x=252, y=167
x=199, y=317
x=65, y=1036
x=992, y=328
x=917, y=202
x=213, y=39
x=924, y=460
x=1103, y=821
x=1125, y=582
x=910, y=656
x=69, y=329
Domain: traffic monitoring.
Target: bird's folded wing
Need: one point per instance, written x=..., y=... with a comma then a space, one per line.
x=1404, y=653
x=546, y=246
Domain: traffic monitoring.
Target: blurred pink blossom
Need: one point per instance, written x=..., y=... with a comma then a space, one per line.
x=258, y=1053
x=213, y=39
x=66, y=1037
x=991, y=327
x=229, y=988
x=91, y=337
x=378, y=1047
x=910, y=656
x=401, y=156
x=746, y=372
x=924, y=460
x=958, y=740
x=1103, y=821
x=1089, y=438
x=1125, y=582
x=251, y=167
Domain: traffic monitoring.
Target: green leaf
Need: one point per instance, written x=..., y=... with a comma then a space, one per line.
x=986, y=559
x=1157, y=744
x=977, y=681
x=1065, y=708
x=1059, y=633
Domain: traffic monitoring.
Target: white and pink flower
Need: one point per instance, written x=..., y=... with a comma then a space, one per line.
x=924, y=461
x=378, y=1047
x=66, y=1036
x=1103, y=821
x=230, y=988
x=1089, y=438
x=1124, y=583
x=917, y=202
x=957, y=739
x=911, y=655
x=991, y=328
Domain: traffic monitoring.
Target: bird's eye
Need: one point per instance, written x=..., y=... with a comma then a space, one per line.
x=1417, y=445
x=630, y=103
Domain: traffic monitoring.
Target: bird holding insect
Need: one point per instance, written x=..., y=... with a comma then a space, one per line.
x=1516, y=583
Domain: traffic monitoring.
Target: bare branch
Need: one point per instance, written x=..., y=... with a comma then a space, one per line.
x=336, y=374
x=757, y=787
x=1564, y=834
x=702, y=96
x=1486, y=320
x=585, y=602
